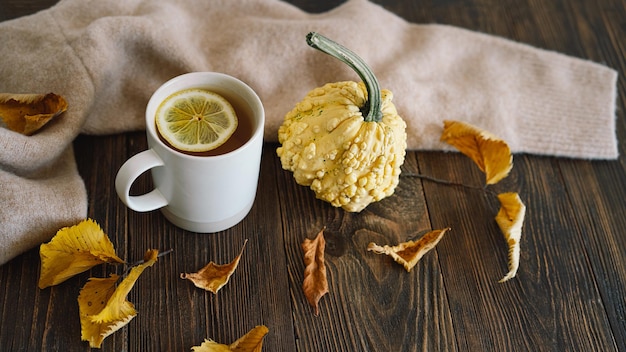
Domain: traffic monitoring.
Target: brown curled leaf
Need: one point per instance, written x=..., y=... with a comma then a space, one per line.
x=250, y=342
x=214, y=276
x=409, y=253
x=491, y=154
x=315, y=284
x=28, y=113
x=510, y=219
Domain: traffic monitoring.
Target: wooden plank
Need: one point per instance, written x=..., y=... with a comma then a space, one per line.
x=17, y=8
x=24, y=308
x=597, y=192
x=98, y=159
x=373, y=303
x=257, y=293
x=49, y=328
x=541, y=308
x=597, y=189
x=569, y=293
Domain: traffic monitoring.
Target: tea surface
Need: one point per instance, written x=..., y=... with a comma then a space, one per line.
x=239, y=137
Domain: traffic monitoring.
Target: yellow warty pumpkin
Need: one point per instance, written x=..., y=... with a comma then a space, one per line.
x=345, y=140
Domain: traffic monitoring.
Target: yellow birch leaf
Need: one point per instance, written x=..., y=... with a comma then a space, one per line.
x=92, y=299
x=409, y=253
x=214, y=276
x=510, y=219
x=103, y=308
x=315, y=284
x=250, y=342
x=491, y=154
x=27, y=113
x=74, y=250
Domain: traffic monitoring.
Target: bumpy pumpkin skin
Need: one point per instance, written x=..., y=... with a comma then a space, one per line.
x=345, y=160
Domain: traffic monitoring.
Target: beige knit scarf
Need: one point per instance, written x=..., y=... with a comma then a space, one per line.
x=106, y=57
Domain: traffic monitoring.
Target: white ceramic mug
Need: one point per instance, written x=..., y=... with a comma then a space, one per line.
x=198, y=193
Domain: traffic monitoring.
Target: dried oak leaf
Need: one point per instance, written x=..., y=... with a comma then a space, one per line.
x=27, y=113
x=74, y=250
x=103, y=308
x=409, y=253
x=214, y=276
x=315, y=284
x=250, y=342
x=510, y=219
x=491, y=154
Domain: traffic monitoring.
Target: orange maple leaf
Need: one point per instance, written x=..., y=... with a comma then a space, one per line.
x=315, y=284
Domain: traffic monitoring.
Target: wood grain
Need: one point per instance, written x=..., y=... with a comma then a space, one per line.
x=568, y=294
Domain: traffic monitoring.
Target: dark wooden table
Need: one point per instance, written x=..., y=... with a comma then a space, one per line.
x=569, y=294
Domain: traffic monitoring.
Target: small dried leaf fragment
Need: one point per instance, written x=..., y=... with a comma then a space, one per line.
x=103, y=308
x=74, y=250
x=214, y=276
x=409, y=253
x=28, y=113
x=491, y=154
x=250, y=342
x=510, y=219
x=211, y=346
x=315, y=283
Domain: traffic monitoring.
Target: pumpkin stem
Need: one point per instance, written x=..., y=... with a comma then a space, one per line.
x=372, y=108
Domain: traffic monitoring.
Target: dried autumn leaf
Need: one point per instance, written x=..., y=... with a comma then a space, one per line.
x=250, y=342
x=491, y=154
x=214, y=276
x=103, y=308
x=409, y=253
x=211, y=346
x=510, y=219
x=27, y=113
x=74, y=250
x=315, y=284
x=92, y=299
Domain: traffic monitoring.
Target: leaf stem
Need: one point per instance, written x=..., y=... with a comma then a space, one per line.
x=447, y=182
x=130, y=266
x=372, y=108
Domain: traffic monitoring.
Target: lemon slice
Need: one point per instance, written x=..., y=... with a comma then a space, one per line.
x=196, y=120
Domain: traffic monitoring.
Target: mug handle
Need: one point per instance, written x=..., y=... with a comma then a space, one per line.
x=129, y=172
